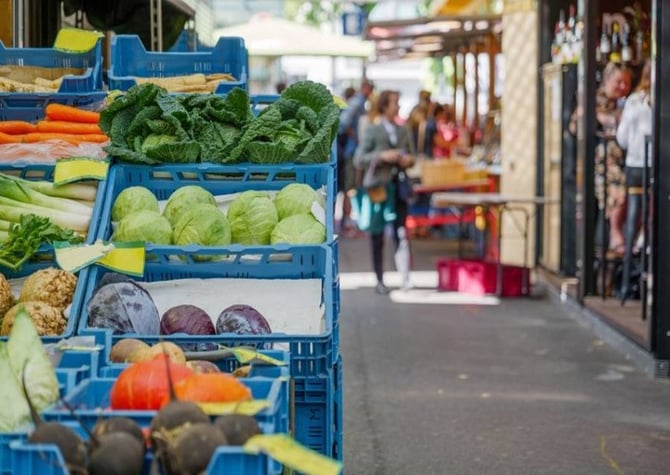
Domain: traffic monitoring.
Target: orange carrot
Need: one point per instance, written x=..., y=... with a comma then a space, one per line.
x=62, y=127
x=71, y=138
x=71, y=114
x=7, y=138
x=15, y=127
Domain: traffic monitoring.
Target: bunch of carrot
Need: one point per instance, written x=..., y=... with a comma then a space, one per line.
x=62, y=122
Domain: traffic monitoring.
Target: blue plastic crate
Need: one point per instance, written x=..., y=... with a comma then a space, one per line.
x=311, y=354
x=162, y=180
x=129, y=59
x=91, y=401
x=46, y=459
x=91, y=62
x=31, y=107
x=45, y=257
x=314, y=413
x=338, y=447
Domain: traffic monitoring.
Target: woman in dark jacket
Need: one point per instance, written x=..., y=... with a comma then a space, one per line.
x=386, y=149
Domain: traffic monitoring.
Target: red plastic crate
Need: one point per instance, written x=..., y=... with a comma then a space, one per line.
x=479, y=277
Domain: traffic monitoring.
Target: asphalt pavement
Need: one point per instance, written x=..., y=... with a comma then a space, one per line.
x=440, y=383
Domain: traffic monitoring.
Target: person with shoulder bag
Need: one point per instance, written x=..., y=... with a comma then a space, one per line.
x=385, y=152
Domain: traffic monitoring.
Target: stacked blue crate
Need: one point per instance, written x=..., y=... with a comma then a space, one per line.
x=85, y=90
x=130, y=60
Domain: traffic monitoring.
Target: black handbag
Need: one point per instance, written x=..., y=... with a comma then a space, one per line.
x=404, y=187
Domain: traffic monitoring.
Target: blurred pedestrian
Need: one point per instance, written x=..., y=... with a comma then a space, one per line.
x=348, y=141
x=385, y=152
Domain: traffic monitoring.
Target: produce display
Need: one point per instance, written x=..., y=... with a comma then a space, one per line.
x=192, y=215
x=124, y=306
x=150, y=126
x=65, y=123
x=189, y=83
x=44, y=298
x=33, y=79
x=159, y=348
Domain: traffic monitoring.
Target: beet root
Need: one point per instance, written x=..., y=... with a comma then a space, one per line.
x=238, y=428
x=193, y=448
x=118, y=424
x=71, y=446
x=117, y=453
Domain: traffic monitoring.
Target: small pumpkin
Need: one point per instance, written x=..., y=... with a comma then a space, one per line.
x=211, y=387
x=144, y=385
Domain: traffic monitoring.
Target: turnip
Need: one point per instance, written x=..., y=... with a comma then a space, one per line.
x=203, y=366
x=123, y=349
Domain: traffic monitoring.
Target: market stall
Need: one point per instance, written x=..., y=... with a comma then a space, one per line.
x=154, y=271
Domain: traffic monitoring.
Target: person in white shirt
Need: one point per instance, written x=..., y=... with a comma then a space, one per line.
x=632, y=133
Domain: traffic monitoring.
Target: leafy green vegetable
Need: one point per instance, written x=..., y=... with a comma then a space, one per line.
x=252, y=216
x=147, y=226
x=133, y=199
x=204, y=225
x=14, y=411
x=184, y=198
x=299, y=127
x=26, y=237
x=297, y=198
x=299, y=229
x=24, y=352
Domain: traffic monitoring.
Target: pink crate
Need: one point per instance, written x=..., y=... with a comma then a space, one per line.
x=479, y=277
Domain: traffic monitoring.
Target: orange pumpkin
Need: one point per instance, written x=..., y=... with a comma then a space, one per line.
x=211, y=387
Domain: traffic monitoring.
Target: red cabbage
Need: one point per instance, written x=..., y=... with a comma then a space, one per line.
x=187, y=319
x=242, y=320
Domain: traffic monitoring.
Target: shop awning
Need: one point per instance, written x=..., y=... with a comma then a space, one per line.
x=399, y=31
x=269, y=36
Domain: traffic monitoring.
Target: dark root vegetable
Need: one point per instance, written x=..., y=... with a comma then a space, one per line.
x=117, y=453
x=71, y=446
x=187, y=319
x=202, y=366
x=167, y=424
x=194, y=446
x=123, y=349
x=118, y=424
x=238, y=428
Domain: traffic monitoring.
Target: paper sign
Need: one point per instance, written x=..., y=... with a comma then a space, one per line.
x=293, y=455
x=74, y=40
x=127, y=258
x=319, y=213
x=248, y=408
x=68, y=170
x=245, y=356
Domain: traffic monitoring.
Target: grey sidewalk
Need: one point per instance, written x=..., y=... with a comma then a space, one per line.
x=512, y=387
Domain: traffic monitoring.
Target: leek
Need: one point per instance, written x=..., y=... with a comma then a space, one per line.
x=75, y=191
x=4, y=236
x=17, y=191
x=11, y=210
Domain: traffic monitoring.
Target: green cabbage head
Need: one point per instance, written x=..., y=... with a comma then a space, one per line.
x=147, y=226
x=252, y=217
x=204, y=225
x=133, y=199
x=299, y=229
x=185, y=198
x=297, y=198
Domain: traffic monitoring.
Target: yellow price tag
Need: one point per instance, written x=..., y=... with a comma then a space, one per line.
x=74, y=40
x=293, y=455
x=245, y=356
x=125, y=257
x=247, y=408
x=68, y=170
